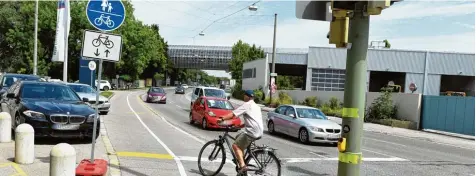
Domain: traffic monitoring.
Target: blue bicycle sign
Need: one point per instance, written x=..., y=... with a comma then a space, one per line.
x=105, y=15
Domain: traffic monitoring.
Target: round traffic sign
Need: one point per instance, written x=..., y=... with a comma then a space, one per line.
x=92, y=65
x=413, y=87
x=106, y=15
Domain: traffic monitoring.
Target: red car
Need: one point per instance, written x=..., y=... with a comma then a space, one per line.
x=207, y=110
x=156, y=95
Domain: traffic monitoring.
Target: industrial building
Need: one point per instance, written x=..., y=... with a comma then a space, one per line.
x=323, y=69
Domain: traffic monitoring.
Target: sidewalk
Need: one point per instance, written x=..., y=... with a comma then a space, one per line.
x=452, y=139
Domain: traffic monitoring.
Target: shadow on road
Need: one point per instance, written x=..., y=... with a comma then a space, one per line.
x=304, y=171
x=206, y=170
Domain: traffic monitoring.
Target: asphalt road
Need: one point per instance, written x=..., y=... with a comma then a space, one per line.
x=156, y=139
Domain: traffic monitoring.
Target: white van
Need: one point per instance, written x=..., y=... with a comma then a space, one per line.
x=208, y=92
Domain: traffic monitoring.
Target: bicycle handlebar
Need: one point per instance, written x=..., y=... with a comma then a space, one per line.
x=229, y=127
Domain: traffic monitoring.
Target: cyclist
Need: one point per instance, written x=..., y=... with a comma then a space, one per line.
x=253, y=126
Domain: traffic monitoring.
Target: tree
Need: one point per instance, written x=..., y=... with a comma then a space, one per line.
x=241, y=53
x=387, y=43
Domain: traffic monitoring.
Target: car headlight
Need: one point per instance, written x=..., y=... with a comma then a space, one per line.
x=34, y=114
x=91, y=118
x=210, y=113
x=164, y=97
x=316, y=129
x=149, y=96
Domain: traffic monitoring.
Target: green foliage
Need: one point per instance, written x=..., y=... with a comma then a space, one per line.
x=332, y=108
x=241, y=53
x=387, y=43
x=310, y=101
x=381, y=108
x=334, y=103
x=284, y=98
x=142, y=45
x=237, y=92
x=258, y=96
x=159, y=76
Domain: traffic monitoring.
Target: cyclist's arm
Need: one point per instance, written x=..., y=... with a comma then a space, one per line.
x=237, y=112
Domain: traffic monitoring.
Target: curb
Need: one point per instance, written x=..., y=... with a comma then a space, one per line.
x=112, y=95
x=461, y=136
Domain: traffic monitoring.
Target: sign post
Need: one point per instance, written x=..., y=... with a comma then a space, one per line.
x=104, y=15
x=92, y=67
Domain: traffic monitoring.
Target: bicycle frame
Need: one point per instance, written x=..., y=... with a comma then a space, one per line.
x=225, y=139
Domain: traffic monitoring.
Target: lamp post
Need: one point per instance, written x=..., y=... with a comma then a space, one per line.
x=255, y=8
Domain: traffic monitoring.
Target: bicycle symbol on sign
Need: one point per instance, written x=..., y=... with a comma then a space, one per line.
x=104, y=40
x=104, y=19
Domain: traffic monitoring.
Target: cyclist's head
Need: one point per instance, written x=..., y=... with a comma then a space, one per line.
x=249, y=94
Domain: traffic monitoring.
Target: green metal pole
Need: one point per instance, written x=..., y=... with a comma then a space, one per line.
x=354, y=94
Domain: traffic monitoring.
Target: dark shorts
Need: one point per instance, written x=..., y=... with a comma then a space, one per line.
x=243, y=140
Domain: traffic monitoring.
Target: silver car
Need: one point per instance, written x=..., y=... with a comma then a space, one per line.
x=305, y=123
x=86, y=91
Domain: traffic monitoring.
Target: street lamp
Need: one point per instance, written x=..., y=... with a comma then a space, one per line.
x=255, y=8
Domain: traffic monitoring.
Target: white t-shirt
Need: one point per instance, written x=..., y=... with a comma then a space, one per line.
x=253, y=119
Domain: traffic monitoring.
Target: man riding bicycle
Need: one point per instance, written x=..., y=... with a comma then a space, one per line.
x=253, y=126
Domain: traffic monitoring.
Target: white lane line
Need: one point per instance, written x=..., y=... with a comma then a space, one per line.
x=177, y=160
x=307, y=160
x=314, y=153
x=392, y=143
x=383, y=154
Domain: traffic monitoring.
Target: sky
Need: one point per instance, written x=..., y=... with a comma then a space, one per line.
x=417, y=25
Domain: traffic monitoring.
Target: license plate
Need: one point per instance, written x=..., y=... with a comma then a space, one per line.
x=65, y=126
x=333, y=136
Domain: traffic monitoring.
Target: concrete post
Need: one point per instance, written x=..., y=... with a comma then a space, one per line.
x=24, y=144
x=62, y=160
x=5, y=127
x=4, y=107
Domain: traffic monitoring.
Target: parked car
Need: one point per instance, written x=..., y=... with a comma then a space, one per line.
x=86, y=91
x=180, y=90
x=208, y=92
x=52, y=109
x=305, y=123
x=206, y=110
x=7, y=79
x=156, y=95
x=228, y=93
x=105, y=85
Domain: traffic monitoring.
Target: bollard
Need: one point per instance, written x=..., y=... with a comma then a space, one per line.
x=3, y=107
x=24, y=144
x=5, y=127
x=62, y=160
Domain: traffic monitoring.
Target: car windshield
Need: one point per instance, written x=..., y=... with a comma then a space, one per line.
x=53, y=92
x=82, y=88
x=9, y=80
x=219, y=104
x=156, y=90
x=179, y=87
x=310, y=113
x=214, y=93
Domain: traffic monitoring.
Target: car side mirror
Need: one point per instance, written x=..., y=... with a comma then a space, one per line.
x=292, y=115
x=85, y=100
x=10, y=95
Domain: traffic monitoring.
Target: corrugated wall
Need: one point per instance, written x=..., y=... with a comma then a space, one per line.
x=396, y=61
x=292, y=59
x=416, y=78
x=433, y=85
x=451, y=64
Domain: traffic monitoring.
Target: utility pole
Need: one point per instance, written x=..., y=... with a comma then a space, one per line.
x=35, y=50
x=354, y=93
x=273, y=60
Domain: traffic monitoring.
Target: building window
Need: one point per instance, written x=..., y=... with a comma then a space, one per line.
x=249, y=73
x=327, y=80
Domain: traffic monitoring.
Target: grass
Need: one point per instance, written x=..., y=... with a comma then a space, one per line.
x=107, y=94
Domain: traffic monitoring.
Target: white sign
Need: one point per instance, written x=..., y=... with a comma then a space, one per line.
x=99, y=45
x=92, y=65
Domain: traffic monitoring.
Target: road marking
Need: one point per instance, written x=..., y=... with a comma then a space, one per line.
x=145, y=155
x=16, y=167
x=179, y=164
x=385, y=142
x=307, y=160
x=379, y=153
x=314, y=153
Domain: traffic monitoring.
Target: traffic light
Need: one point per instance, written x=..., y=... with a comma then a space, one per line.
x=344, y=5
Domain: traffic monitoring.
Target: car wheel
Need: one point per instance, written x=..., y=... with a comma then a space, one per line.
x=271, y=127
x=105, y=88
x=204, y=124
x=191, y=119
x=303, y=136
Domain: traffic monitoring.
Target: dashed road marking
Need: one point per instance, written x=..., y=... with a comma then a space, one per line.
x=177, y=161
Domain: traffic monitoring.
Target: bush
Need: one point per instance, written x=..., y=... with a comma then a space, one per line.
x=381, y=108
x=334, y=103
x=237, y=92
x=310, y=101
x=258, y=96
x=326, y=109
x=284, y=98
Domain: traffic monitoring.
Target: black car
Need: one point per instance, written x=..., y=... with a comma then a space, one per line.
x=180, y=90
x=7, y=79
x=52, y=109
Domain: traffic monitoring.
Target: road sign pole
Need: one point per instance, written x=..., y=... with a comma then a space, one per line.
x=354, y=93
x=98, y=88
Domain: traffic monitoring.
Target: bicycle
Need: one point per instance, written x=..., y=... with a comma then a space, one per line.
x=104, y=40
x=103, y=19
x=250, y=154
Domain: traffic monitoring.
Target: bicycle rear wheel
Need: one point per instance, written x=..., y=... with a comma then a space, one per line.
x=208, y=159
x=265, y=159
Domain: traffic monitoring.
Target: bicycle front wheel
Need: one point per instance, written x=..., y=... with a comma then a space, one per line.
x=210, y=156
x=266, y=163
